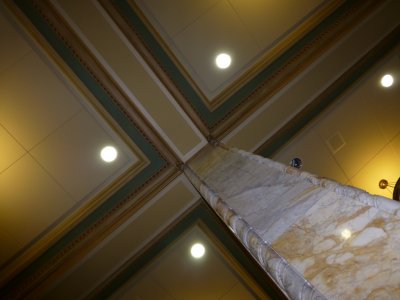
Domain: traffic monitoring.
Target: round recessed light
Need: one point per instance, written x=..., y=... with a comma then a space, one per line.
x=109, y=154
x=387, y=80
x=197, y=250
x=346, y=234
x=223, y=60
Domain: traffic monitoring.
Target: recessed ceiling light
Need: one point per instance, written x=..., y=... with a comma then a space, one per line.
x=387, y=80
x=197, y=250
x=108, y=154
x=223, y=60
x=346, y=234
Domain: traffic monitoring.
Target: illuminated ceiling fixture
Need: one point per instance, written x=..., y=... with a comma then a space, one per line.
x=223, y=60
x=108, y=154
x=387, y=80
x=346, y=234
x=197, y=250
x=393, y=187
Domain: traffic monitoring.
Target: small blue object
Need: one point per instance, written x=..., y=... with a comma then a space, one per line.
x=296, y=162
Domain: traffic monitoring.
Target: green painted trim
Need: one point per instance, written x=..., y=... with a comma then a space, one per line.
x=331, y=95
x=157, y=162
x=202, y=213
x=211, y=118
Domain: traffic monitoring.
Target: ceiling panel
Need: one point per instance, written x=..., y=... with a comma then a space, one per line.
x=245, y=30
x=359, y=133
x=117, y=249
x=42, y=105
x=238, y=292
x=385, y=165
x=169, y=16
x=9, y=245
x=30, y=200
x=218, y=30
x=133, y=75
x=268, y=21
x=205, y=278
x=51, y=138
x=396, y=144
x=100, y=56
x=73, y=152
x=10, y=150
x=306, y=145
x=13, y=47
x=209, y=278
x=146, y=289
x=385, y=101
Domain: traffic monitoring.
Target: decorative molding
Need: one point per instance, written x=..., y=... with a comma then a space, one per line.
x=252, y=94
x=65, y=49
x=201, y=215
x=134, y=35
x=328, y=96
x=283, y=275
x=294, y=61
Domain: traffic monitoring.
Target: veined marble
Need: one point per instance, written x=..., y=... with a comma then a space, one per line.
x=347, y=249
x=309, y=233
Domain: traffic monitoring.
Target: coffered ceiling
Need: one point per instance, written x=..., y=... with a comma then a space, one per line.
x=223, y=281
x=251, y=32
x=76, y=76
x=363, y=147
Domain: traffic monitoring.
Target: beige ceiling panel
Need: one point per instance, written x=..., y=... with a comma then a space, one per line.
x=312, y=81
x=239, y=292
x=172, y=16
x=218, y=30
x=206, y=278
x=396, y=145
x=13, y=47
x=9, y=246
x=145, y=289
x=72, y=156
x=316, y=157
x=386, y=165
x=10, y=150
x=386, y=101
x=269, y=21
x=126, y=240
x=32, y=97
x=133, y=76
x=28, y=195
x=362, y=135
x=293, y=98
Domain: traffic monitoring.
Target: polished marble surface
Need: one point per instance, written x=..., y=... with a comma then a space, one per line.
x=339, y=240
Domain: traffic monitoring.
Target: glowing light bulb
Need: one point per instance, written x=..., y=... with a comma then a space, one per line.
x=197, y=250
x=346, y=233
x=108, y=154
x=223, y=60
x=387, y=80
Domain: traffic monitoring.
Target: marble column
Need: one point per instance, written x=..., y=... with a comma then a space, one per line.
x=316, y=238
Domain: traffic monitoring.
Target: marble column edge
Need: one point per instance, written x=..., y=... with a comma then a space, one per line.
x=379, y=202
x=285, y=276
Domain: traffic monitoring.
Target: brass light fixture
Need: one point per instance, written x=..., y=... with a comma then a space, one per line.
x=393, y=187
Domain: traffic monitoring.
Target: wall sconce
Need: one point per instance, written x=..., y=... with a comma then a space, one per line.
x=393, y=187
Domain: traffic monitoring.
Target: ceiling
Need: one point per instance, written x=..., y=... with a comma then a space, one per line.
x=364, y=147
x=248, y=31
x=140, y=75
x=155, y=280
